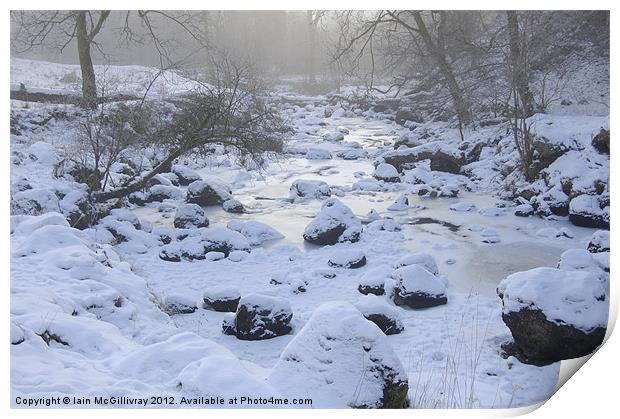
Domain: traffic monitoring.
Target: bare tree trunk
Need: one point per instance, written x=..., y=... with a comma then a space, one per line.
x=518, y=62
x=141, y=184
x=89, y=86
x=311, y=47
x=522, y=98
x=438, y=54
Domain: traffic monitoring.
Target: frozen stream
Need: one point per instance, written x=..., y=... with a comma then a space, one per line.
x=470, y=264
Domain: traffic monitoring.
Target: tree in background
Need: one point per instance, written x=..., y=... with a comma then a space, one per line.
x=33, y=29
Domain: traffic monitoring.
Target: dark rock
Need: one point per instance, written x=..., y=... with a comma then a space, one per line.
x=261, y=317
x=388, y=325
x=442, y=159
x=190, y=216
x=540, y=342
x=334, y=223
x=233, y=206
x=347, y=259
x=185, y=174
x=404, y=115
x=418, y=299
x=599, y=242
x=371, y=289
x=418, y=288
x=601, y=142
x=585, y=211
x=224, y=300
x=208, y=193
x=179, y=305
x=524, y=210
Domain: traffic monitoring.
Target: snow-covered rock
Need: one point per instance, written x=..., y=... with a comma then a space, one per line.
x=219, y=373
x=256, y=232
x=158, y=193
x=554, y=314
x=387, y=173
x=524, y=210
x=585, y=211
x=463, y=206
x=384, y=225
x=401, y=204
x=261, y=317
x=233, y=206
x=425, y=260
x=416, y=287
x=334, y=223
x=34, y=201
x=599, y=242
x=223, y=240
x=222, y=298
x=373, y=280
x=417, y=176
x=350, y=259
x=444, y=157
x=208, y=192
x=179, y=304
x=327, y=359
x=190, y=216
x=185, y=174
x=577, y=260
x=309, y=189
x=378, y=311
x=318, y=154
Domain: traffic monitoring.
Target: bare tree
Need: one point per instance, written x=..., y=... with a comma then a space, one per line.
x=404, y=40
x=34, y=29
x=313, y=18
x=227, y=110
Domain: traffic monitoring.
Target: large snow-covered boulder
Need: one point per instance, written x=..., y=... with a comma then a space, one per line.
x=340, y=359
x=261, y=317
x=208, y=192
x=217, y=373
x=256, y=232
x=34, y=202
x=599, y=242
x=553, y=314
x=416, y=287
x=386, y=172
x=158, y=193
x=185, y=174
x=443, y=157
x=378, y=311
x=334, y=223
x=190, y=216
x=585, y=211
x=307, y=189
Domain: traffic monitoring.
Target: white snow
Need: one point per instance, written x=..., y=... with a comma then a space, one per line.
x=425, y=260
x=256, y=232
x=328, y=357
